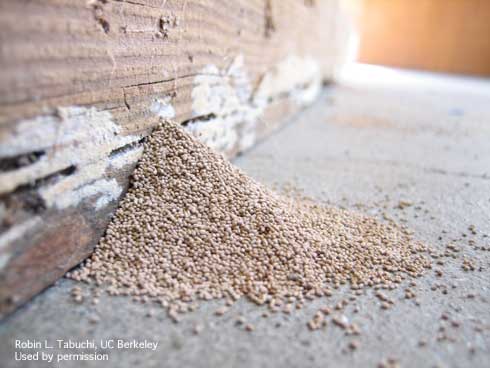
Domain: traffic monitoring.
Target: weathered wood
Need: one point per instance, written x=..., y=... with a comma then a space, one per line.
x=83, y=82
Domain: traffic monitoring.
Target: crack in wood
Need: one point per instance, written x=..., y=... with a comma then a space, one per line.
x=18, y=161
x=126, y=148
x=200, y=118
x=140, y=4
x=269, y=25
x=28, y=195
x=192, y=75
x=125, y=99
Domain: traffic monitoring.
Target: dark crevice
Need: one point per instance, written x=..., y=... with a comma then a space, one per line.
x=98, y=11
x=32, y=202
x=22, y=160
x=104, y=24
x=270, y=100
x=200, y=118
x=269, y=25
x=327, y=83
x=70, y=170
x=125, y=100
x=27, y=194
x=36, y=184
x=126, y=148
x=162, y=28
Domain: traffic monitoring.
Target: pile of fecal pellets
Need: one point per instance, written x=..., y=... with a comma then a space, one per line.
x=193, y=227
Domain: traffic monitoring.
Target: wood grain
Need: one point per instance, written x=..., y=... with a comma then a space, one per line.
x=83, y=82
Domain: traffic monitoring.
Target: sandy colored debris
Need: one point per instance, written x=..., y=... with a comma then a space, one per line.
x=194, y=227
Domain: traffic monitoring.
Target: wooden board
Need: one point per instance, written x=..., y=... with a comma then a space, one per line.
x=83, y=82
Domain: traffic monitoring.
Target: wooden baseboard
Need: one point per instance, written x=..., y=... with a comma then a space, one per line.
x=83, y=82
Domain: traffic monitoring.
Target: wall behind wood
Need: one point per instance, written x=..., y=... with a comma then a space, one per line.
x=438, y=35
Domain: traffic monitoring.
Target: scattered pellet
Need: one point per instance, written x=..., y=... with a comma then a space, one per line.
x=341, y=321
x=326, y=310
x=288, y=308
x=77, y=295
x=93, y=320
x=468, y=265
x=221, y=311
x=354, y=345
x=318, y=321
x=389, y=363
x=197, y=329
x=78, y=298
x=174, y=316
x=404, y=204
x=240, y=320
x=353, y=329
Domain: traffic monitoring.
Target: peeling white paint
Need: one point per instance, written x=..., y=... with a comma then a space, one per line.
x=85, y=137
x=229, y=107
x=4, y=259
x=125, y=158
x=80, y=137
x=226, y=94
x=163, y=108
x=105, y=190
x=298, y=77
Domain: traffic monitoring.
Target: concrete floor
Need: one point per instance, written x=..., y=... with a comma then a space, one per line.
x=364, y=145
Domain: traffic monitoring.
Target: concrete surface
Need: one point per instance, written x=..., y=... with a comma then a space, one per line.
x=365, y=145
